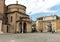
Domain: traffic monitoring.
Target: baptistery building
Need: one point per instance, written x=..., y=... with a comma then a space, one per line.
x=14, y=18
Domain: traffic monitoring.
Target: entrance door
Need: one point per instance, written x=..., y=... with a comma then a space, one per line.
x=49, y=27
x=24, y=27
x=7, y=29
x=21, y=27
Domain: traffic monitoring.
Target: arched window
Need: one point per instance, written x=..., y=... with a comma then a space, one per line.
x=11, y=18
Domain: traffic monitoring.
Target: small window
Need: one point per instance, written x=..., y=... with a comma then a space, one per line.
x=11, y=18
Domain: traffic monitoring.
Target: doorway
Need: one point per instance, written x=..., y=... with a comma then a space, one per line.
x=49, y=26
x=24, y=27
x=7, y=29
x=21, y=27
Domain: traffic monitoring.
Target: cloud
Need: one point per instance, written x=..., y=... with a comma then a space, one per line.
x=37, y=15
x=7, y=2
x=56, y=7
x=42, y=6
x=41, y=11
x=36, y=6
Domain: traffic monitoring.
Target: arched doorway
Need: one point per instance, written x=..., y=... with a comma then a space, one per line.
x=7, y=29
x=49, y=26
x=23, y=26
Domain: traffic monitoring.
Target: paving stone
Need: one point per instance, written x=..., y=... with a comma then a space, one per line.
x=30, y=37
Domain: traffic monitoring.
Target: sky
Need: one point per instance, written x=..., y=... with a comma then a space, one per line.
x=39, y=8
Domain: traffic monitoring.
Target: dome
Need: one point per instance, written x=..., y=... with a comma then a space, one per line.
x=16, y=7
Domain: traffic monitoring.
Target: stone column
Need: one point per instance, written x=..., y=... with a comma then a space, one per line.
x=22, y=26
x=17, y=28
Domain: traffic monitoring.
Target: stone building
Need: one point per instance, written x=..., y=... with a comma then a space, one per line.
x=14, y=18
x=48, y=24
x=2, y=13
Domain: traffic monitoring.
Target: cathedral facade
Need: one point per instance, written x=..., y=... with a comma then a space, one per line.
x=14, y=18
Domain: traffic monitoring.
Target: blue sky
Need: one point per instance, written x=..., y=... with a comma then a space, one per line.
x=39, y=8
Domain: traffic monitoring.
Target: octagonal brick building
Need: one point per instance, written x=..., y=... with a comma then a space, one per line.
x=18, y=20
x=15, y=19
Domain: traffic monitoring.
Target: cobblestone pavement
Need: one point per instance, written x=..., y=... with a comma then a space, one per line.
x=30, y=37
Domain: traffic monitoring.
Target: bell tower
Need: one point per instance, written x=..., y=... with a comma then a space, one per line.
x=2, y=7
